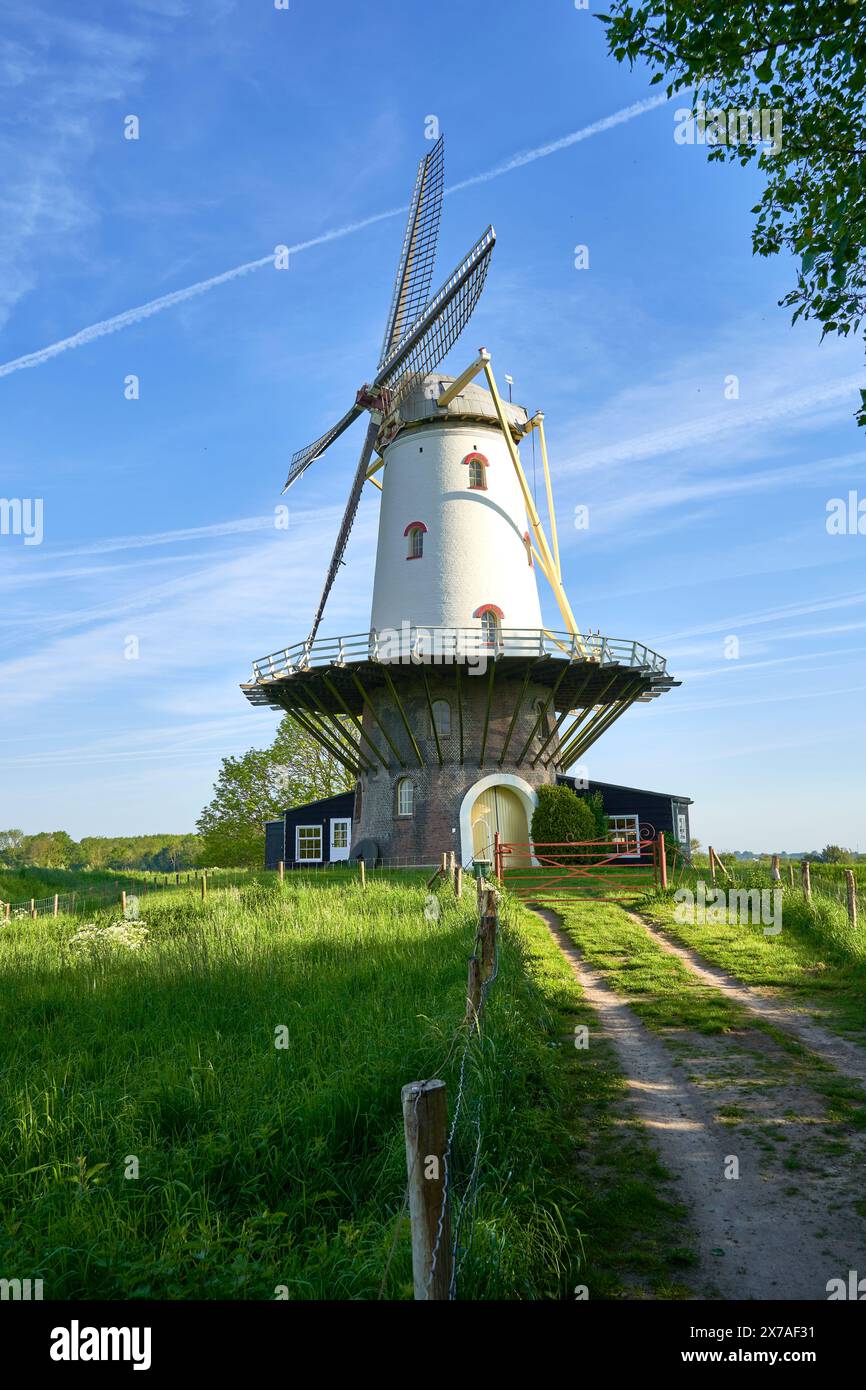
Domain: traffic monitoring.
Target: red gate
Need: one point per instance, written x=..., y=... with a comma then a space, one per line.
x=584, y=868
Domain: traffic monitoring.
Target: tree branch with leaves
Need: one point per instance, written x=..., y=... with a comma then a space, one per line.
x=806, y=61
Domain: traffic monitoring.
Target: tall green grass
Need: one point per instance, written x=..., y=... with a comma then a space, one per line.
x=262, y=1167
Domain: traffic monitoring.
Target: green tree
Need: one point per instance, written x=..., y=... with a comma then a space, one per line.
x=803, y=63
x=835, y=854
x=50, y=849
x=258, y=786
x=11, y=848
x=559, y=816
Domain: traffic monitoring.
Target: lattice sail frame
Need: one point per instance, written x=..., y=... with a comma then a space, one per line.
x=418, y=256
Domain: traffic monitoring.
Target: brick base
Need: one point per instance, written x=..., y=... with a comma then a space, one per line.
x=440, y=789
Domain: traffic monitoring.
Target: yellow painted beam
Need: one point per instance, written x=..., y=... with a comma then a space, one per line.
x=464, y=379
x=551, y=512
x=534, y=519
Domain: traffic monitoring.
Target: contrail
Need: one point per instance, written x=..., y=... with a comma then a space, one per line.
x=168, y=301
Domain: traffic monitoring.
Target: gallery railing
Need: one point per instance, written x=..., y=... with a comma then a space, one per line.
x=419, y=644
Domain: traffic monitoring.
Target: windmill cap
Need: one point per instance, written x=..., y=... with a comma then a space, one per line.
x=473, y=403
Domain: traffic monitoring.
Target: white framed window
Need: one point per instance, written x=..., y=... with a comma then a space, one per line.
x=405, y=797
x=491, y=618
x=308, y=844
x=414, y=534
x=625, y=832
x=442, y=716
x=476, y=475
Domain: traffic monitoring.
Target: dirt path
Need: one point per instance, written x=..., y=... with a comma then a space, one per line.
x=846, y=1057
x=788, y=1222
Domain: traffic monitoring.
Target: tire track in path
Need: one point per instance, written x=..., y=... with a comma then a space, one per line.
x=845, y=1057
x=784, y=1226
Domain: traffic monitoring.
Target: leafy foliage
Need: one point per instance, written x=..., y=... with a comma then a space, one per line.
x=805, y=62
x=258, y=786
x=561, y=816
x=56, y=849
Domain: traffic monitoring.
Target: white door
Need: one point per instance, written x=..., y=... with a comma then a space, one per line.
x=340, y=829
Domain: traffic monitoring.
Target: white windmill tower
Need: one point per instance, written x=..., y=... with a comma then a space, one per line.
x=457, y=703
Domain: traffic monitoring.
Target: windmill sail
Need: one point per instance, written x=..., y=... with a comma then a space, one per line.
x=432, y=335
x=415, y=268
x=304, y=457
x=437, y=329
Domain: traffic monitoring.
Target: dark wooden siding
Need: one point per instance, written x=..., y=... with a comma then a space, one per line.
x=275, y=849
x=319, y=813
x=653, y=809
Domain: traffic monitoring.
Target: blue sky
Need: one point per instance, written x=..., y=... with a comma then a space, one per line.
x=261, y=127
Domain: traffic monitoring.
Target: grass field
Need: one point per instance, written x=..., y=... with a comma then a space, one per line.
x=260, y=1167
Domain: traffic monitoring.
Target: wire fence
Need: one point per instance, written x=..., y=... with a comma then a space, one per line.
x=85, y=899
x=442, y=1233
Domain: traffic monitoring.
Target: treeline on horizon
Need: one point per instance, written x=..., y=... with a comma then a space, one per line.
x=55, y=849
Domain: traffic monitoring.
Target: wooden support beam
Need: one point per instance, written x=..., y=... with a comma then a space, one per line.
x=542, y=712
x=604, y=716
x=432, y=716
x=378, y=722
x=337, y=734
x=491, y=661
x=562, y=718
x=355, y=720
x=400, y=710
x=315, y=731
x=514, y=716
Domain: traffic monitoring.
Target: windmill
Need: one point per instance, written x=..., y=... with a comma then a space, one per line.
x=418, y=335
x=458, y=702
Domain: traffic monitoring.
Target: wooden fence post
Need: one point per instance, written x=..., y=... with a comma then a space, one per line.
x=807, y=880
x=775, y=871
x=8, y=911
x=458, y=880
x=487, y=934
x=791, y=873
x=497, y=856
x=473, y=992
x=32, y=907
x=56, y=903
x=362, y=870
x=282, y=868
x=852, y=896
x=443, y=867
x=203, y=885
x=425, y=1123
x=663, y=861
x=123, y=901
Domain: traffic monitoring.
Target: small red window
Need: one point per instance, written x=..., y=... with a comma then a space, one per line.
x=491, y=622
x=415, y=535
x=477, y=465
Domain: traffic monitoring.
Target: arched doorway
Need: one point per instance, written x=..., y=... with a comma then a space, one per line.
x=497, y=806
